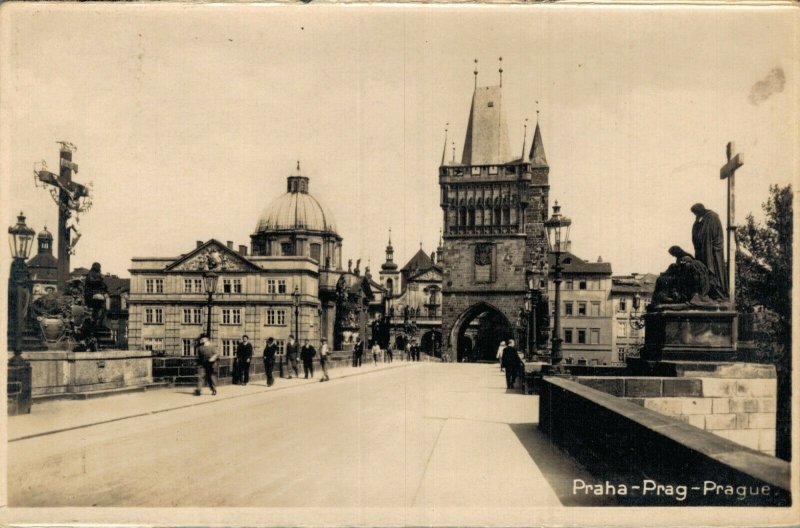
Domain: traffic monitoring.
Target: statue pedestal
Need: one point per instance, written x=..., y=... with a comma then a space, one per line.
x=693, y=335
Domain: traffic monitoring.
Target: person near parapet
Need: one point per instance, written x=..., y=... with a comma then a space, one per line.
x=307, y=354
x=324, y=352
x=358, y=352
x=269, y=360
x=292, y=350
x=511, y=363
x=244, y=353
x=500, y=350
x=206, y=359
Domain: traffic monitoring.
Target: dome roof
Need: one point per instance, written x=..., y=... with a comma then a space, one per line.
x=45, y=234
x=296, y=210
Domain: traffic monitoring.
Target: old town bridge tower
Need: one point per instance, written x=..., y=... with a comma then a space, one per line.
x=494, y=256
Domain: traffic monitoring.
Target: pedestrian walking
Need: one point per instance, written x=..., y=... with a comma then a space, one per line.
x=407, y=351
x=324, y=351
x=358, y=352
x=269, y=360
x=511, y=363
x=389, y=353
x=206, y=359
x=292, y=350
x=500, y=350
x=307, y=354
x=376, y=351
x=244, y=353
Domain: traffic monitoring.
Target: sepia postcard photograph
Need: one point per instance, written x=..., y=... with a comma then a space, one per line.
x=399, y=264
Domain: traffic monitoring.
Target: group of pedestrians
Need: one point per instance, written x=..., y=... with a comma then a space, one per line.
x=510, y=362
x=207, y=357
x=412, y=353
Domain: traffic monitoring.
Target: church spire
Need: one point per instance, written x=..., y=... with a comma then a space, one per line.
x=389, y=264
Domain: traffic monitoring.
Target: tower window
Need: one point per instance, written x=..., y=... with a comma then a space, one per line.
x=491, y=104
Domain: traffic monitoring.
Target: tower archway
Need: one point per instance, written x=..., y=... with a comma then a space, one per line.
x=478, y=331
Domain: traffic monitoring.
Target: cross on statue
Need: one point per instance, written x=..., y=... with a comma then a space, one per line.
x=728, y=172
x=71, y=197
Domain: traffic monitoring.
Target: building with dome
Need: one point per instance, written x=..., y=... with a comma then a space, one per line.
x=290, y=281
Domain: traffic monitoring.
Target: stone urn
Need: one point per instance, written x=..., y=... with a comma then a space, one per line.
x=53, y=328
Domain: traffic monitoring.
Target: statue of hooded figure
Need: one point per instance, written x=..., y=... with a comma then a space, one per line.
x=707, y=237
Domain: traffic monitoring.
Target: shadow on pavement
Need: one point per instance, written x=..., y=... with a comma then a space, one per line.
x=558, y=467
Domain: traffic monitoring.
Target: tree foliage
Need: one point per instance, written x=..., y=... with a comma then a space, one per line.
x=764, y=272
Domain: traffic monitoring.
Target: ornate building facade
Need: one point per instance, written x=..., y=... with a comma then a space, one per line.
x=413, y=307
x=291, y=282
x=494, y=206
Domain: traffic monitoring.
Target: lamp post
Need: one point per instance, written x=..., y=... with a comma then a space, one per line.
x=210, y=282
x=558, y=237
x=296, y=303
x=20, y=238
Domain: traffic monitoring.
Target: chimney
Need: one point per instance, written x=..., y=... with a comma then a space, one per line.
x=243, y=250
x=199, y=243
x=229, y=243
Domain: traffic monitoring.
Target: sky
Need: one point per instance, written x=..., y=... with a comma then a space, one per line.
x=188, y=118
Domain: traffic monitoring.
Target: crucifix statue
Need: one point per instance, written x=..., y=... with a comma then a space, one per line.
x=728, y=172
x=72, y=198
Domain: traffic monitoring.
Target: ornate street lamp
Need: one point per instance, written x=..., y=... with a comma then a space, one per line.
x=296, y=303
x=20, y=239
x=210, y=281
x=558, y=237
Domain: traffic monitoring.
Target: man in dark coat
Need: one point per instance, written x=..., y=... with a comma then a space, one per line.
x=358, y=352
x=269, y=360
x=511, y=364
x=707, y=237
x=206, y=358
x=307, y=354
x=244, y=353
x=292, y=350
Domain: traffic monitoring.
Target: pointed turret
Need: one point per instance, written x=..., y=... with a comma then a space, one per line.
x=537, y=156
x=444, y=148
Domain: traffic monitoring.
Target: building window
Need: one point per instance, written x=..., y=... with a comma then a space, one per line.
x=276, y=317
x=621, y=354
x=154, y=316
x=541, y=284
x=582, y=337
x=623, y=305
x=568, y=308
x=192, y=316
x=316, y=249
x=231, y=285
x=227, y=347
x=187, y=285
x=568, y=335
x=187, y=347
x=492, y=168
x=231, y=316
x=568, y=284
x=271, y=286
x=281, y=285
x=476, y=171
x=149, y=286
x=582, y=309
x=287, y=249
x=622, y=329
x=281, y=345
x=582, y=284
x=594, y=335
x=154, y=344
x=595, y=309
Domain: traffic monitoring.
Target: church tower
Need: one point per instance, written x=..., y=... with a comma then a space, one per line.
x=389, y=274
x=494, y=205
